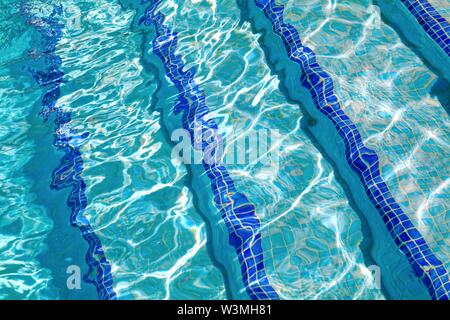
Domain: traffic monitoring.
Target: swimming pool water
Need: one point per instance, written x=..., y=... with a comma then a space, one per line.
x=316, y=210
x=376, y=74
x=156, y=218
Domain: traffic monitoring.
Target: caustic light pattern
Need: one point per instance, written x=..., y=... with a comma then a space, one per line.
x=89, y=176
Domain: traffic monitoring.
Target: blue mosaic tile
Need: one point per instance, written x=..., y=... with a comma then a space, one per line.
x=436, y=26
x=362, y=160
x=236, y=210
x=68, y=173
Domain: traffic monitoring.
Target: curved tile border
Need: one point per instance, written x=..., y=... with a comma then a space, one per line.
x=68, y=174
x=362, y=160
x=431, y=21
x=237, y=212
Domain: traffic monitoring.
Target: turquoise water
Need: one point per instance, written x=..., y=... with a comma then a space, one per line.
x=442, y=6
x=376, y=74
x=154, y=214
x=311, y=224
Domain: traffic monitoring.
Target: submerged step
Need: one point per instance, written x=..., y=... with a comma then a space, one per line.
x=306, y=223
x=138, y=199
x=320, y=95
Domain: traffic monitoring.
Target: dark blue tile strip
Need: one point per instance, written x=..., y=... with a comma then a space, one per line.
x=436, y=26
x=68, y=174
x=236, y=210
x=361, y=159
